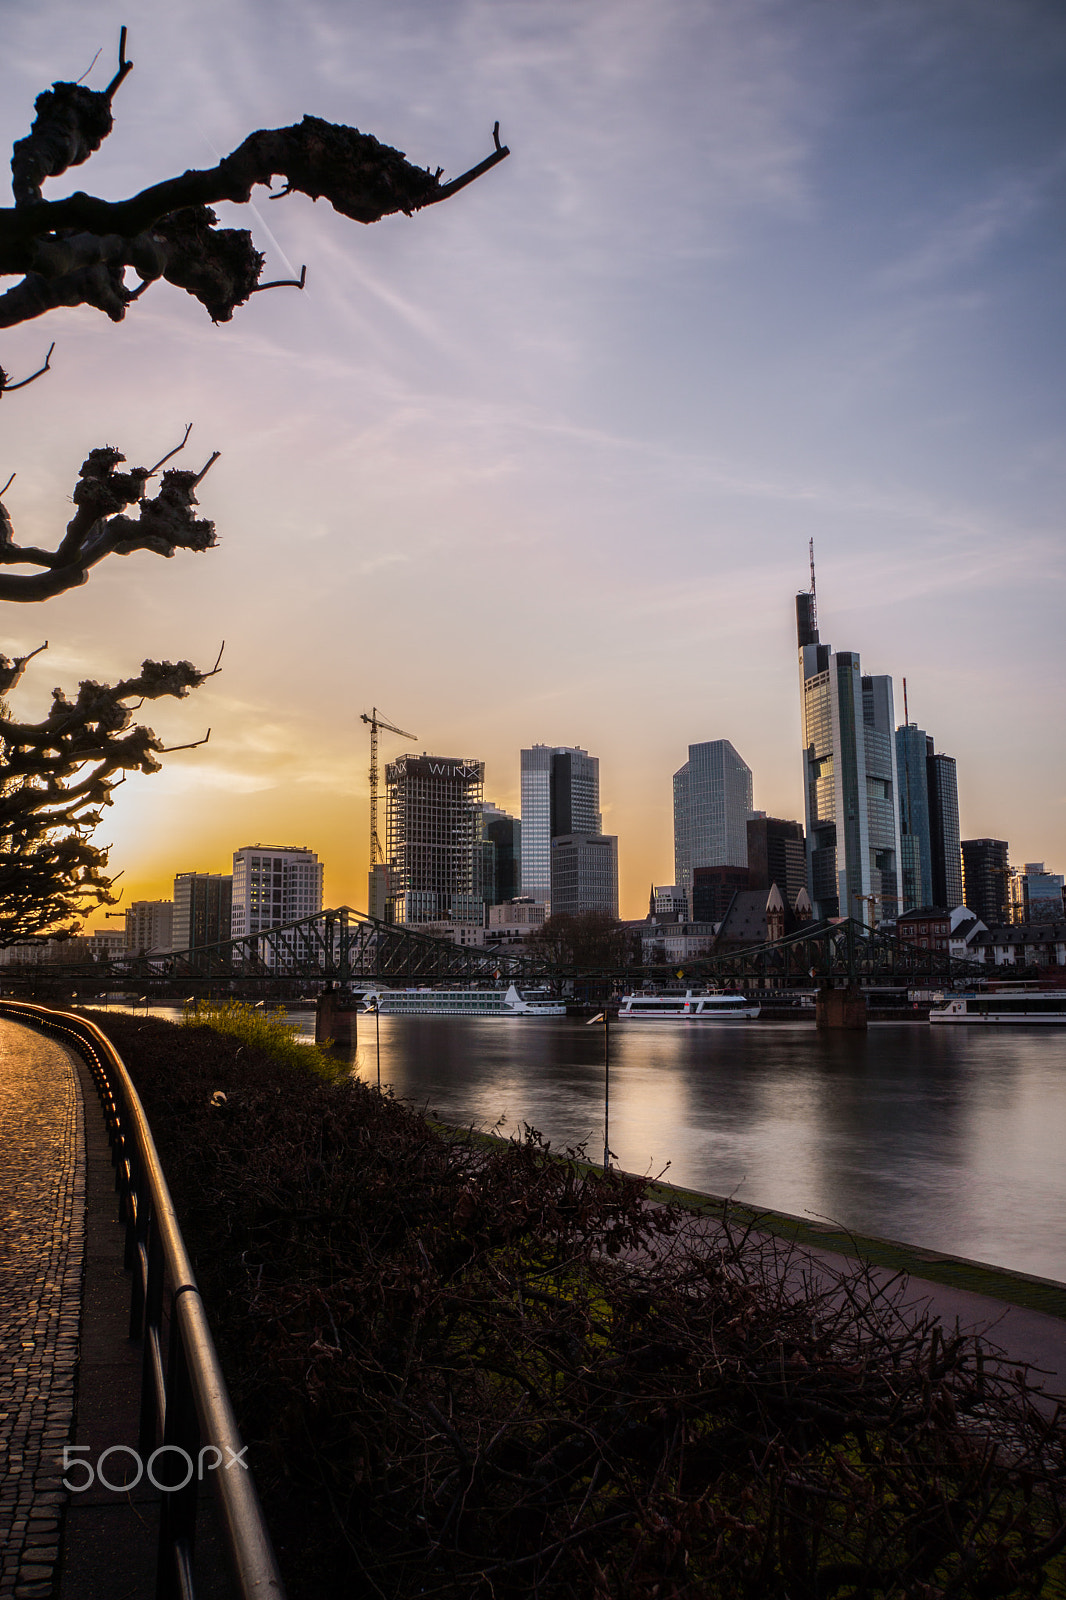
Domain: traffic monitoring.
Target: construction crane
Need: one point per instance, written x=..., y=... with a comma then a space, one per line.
x=374, y=722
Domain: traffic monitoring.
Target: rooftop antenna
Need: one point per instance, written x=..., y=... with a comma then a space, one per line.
x=814, y=594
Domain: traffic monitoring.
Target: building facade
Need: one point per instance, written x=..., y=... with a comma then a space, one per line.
x=850, y=780
x=203, y=905
x=149, y=926
x=433, y=839
x=712, y=805
x=501, y=855
x=560, y=795
x=777, y=854
x=915, y=837
x=584, y=874
x=986, y=871
x=274, y=884
x=944, y=837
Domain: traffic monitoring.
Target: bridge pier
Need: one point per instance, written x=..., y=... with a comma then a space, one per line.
x=336, y=1022
x=840, y=1008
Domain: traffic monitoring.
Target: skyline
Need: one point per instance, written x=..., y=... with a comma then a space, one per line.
x=541, y=465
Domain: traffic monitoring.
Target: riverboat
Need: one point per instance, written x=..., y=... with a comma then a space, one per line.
x=712, y=1006
x=462, y=1003
x=1029, y=1009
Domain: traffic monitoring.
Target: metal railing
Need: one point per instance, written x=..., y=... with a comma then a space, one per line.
x=185, y=1408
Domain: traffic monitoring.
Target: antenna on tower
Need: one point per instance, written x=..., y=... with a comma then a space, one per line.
x=814, y=594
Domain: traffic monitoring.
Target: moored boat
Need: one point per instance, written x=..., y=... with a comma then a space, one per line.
x=509, y=1002
x=1034, y=1008
x=692, y=1006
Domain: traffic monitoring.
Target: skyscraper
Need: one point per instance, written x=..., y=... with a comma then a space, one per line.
x=501, y=855
x=712, y=804
x=850, y=784
x=433, y=838
x=944, y=840
x=203, y=903
x=985, y=871
x=916, y=850
x=776, y=854
x=584, y=874
x=560, y=795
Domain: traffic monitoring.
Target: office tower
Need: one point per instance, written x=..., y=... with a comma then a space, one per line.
x=274, y=884
x=584, y=874
x=850, y=786
x=1041, y=894
x=202, y=909
x=944, y=840
x=712, y=804
x=713, y=889
x=433, y=819
x=776, y=854
x=150, y=926
x=501, y=855
x=985, y=870
x=916, y=853
x=560, y=795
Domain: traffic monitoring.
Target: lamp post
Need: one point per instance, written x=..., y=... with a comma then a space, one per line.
x=601, y=1016
x=372, y=1005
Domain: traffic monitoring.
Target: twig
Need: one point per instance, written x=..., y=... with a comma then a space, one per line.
x=9, y=388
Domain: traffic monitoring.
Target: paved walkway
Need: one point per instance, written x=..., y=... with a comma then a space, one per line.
x=42, y=1224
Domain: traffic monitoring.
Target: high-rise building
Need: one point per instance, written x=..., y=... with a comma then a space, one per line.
x=944, y=838
x=274, y=884
x=433, y=837
x=985, y=871
x=776, y=854
x=584, y=874
x=850, y=782
x=712, y=804
x=149, y=926
x=202, y=909
x=915, y=839
x=1040, y=894
x=560, y=796
x=501, y=855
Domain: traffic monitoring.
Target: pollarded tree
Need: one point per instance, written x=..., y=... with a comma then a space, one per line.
x=56, y=775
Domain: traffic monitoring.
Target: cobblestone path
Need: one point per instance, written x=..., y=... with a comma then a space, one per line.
x=42, y=1231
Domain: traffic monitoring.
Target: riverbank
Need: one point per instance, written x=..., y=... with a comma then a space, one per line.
x=450, y=1386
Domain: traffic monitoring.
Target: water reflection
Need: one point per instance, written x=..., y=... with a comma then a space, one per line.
x=944, y=1137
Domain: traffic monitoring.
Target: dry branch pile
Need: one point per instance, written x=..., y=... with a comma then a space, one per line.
x=476, y=1370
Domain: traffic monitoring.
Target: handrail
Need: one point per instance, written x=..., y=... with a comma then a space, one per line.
x=183, y=1393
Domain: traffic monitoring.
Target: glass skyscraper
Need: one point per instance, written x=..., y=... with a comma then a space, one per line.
x=850, y=787
x=560, y=796
x=916, y=846
x=712, y=804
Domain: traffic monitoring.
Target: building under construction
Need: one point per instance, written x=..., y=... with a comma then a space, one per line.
x=433, y=811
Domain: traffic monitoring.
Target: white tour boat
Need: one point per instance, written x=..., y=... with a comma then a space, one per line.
x=1035, y=1008
x=462, y=1003
x=688, y=1007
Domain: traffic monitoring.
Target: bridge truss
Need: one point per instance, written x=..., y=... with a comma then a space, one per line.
x=338, y=946
x=345, y=946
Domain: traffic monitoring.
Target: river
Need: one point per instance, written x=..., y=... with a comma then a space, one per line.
x=952, y=1138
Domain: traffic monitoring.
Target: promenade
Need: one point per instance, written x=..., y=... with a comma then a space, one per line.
x=68, y=1373
x=42, y=1242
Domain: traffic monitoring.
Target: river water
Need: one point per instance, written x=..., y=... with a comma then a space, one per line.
x=952, y=1138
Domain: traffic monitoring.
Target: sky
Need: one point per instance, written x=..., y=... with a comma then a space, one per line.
x=541, y=464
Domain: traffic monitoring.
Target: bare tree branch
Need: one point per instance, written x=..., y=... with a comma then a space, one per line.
x=100, y=526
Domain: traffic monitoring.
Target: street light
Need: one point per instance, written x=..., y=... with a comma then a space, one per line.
x=372, y=1005
x=601, y=1016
